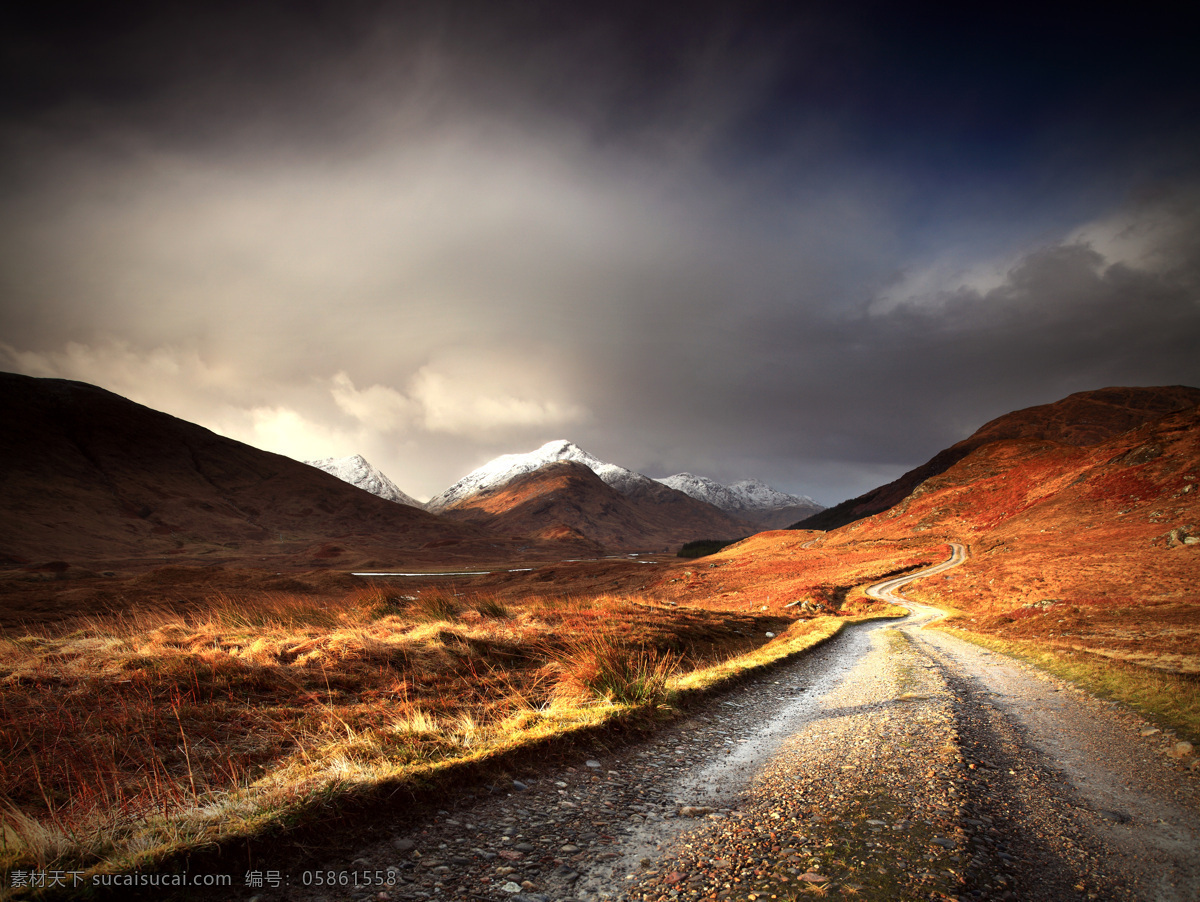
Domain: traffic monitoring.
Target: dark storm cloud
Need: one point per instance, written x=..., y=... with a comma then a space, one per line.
x=810, y=245
x=1116, y=302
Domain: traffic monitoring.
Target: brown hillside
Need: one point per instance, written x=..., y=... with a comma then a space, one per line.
x=565, y=497
x=1096, y=547
x=1089, y=545
x=88, y=476
x=1081, y=419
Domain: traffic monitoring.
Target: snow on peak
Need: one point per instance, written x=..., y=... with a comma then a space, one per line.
x=757, y=495
x=704, y=489
x=356, y=471
x=744, y=495
x=507, y=467
x=748, y=495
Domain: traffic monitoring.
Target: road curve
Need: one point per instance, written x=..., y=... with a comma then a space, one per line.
x=886, y=590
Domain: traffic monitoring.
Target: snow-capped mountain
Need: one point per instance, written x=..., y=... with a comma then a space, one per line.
x=560, y=490
x=739, y=508
x=704, y=489
x=356, y=471
x=744, y=495
x=757, y=495
x=751, y=499
x=507, y=467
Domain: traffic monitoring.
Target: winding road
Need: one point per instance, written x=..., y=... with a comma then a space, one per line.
x=894, y=762
x=886, y=590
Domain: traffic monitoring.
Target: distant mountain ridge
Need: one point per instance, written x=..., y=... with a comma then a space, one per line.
x=615, y=506
x=358, y=472
x=750, y=499
x=747, y=496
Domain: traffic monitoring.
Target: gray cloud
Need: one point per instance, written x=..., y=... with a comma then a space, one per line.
x=436, y=238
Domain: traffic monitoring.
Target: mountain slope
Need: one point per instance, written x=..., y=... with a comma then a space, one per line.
x=1081, y=419
x=703, y=489
x=1090, y=548
x=1083, y=544
x=357, y=472
x=559, y=497
x=88, y=475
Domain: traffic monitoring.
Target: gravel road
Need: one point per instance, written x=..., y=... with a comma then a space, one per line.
x=892, y=763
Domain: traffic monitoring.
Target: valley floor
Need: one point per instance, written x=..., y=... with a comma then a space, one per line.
x=895, y=762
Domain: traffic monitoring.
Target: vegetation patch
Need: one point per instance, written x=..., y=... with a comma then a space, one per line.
x=598, y=669
x=128, y=738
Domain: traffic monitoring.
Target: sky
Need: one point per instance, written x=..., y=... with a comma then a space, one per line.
x=808, y=243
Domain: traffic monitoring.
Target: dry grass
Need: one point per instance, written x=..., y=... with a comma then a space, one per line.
x=598, y=669
x=125, y=738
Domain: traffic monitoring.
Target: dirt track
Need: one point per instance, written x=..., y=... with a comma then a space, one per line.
x=893, y=763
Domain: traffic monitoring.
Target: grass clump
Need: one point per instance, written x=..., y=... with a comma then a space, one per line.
x=380, y=603
x=436, y=606
x=600, y=669
x=492, y=608
x=272, y=610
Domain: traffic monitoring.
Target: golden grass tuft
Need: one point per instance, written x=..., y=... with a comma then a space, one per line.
x=799, y=638
x=599, y=669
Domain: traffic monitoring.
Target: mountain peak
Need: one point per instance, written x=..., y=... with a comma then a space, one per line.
x=559, y=447
x=507, y=467
x=579, y=497
x=751, y=500
x=358, y=472
x=757, y=495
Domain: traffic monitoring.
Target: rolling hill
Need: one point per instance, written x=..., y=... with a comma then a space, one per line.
x=89, y=476
x=1082, y=521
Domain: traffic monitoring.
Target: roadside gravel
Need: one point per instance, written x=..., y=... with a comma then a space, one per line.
x=1096, y=808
